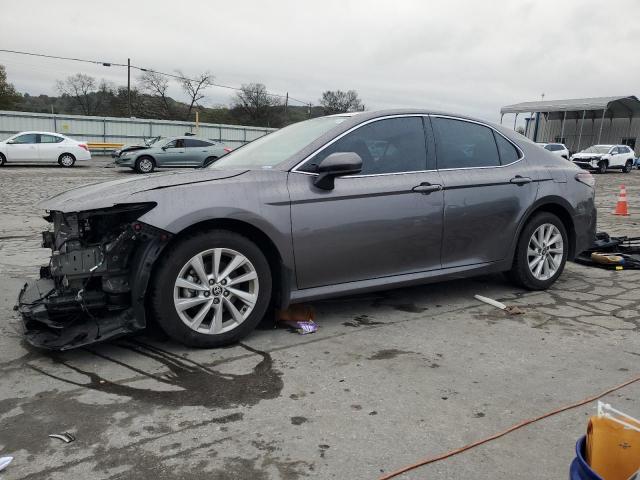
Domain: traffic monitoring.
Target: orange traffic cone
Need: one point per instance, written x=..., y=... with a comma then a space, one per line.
x=621, y=206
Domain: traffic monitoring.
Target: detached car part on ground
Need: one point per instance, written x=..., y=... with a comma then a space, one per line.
x=602, y=157
x=331, y=206
x=185, y=151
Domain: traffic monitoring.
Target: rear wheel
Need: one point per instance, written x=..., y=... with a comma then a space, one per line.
x=541, y=253
x=211, y=289
x=209, y=160
x=602, y=166
x=66, y=160
x=627, y=166
x=145, y=165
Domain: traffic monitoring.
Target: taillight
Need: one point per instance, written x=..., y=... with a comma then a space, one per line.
x=82, y=145
x=227, y=149
x=586, y=178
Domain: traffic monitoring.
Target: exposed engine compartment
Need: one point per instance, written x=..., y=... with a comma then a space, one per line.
x=94, y=285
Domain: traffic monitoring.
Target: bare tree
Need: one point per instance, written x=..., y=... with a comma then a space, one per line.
x=254, y=100
x=338, y=101
x=80, y=87
x=193, y=88
x=157, y=85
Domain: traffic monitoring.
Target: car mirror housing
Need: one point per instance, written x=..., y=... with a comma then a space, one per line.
x=335, y=165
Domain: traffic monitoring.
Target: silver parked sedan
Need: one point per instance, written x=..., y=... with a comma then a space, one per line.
x=187, y=151
x=330, y=206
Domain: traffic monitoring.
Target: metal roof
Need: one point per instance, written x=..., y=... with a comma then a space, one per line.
x=614, y=106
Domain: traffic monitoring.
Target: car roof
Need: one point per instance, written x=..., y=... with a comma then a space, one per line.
x=40, y=133
x=184, y=137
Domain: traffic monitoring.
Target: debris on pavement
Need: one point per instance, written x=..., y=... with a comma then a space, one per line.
x=511, y=309
x=298, y=318
x=4, y=462
x=66, y=437
x=616, y=253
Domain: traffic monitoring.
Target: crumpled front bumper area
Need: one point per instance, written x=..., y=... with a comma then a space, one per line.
x=39, y=305
x=94, y=286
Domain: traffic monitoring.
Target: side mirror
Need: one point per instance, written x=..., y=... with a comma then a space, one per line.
x=335, y=165
x=165, y=147
x=11, y=142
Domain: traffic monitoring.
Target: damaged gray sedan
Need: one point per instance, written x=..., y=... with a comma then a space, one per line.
x=326, y=207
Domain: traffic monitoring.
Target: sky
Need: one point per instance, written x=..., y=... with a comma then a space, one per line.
x=464, y=56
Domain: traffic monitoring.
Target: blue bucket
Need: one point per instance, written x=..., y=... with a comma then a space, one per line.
x=580, y=469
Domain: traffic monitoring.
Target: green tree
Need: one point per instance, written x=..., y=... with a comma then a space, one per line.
x=9, y=97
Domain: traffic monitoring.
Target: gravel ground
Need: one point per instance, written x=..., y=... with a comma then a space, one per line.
x=389, y=378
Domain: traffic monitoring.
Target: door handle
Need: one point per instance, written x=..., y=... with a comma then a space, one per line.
x=518, y=180
x=425, y=188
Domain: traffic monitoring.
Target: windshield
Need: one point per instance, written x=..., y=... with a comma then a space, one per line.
x=597, y=149
x=276, y=147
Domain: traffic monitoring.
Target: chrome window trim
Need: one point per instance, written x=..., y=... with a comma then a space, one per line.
x=521, y=155
x=308, y=157
x=355, y=127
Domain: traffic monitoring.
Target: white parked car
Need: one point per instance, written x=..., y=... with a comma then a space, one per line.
x=602, y=157
x=559, y=149
x=43, y=147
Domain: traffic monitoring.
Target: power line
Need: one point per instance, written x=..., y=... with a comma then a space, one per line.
x=142, y=69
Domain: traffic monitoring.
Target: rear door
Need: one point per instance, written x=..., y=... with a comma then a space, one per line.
x=23, y=148
x=488, y=186
x=50, y=147
x=386, y=220
x=196, y=151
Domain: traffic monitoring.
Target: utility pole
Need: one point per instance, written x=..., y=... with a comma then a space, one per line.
x=286, y=103
x=129, y=87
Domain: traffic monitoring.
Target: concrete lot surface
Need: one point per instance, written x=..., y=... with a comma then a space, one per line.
x=389, y=377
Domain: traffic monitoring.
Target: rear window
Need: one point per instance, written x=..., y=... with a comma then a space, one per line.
x=508, y=153
x=462, y=144
x=192, y=142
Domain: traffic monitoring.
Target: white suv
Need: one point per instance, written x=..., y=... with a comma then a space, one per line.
x=559, y=149
x=43, y=147
x=602, y=157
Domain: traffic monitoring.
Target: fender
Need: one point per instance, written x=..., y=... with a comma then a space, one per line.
x=550, y=200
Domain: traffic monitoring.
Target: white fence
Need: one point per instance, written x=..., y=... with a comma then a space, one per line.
x=122, y=130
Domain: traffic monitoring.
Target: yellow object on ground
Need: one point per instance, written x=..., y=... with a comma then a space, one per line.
x=606, y=259
x=613, y=451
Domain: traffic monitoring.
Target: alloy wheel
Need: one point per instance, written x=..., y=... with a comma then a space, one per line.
x=545, y=251
x=145, y=165
x=216, y=291
x=66, y=160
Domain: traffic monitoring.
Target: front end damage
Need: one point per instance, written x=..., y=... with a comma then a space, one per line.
x=94, y=286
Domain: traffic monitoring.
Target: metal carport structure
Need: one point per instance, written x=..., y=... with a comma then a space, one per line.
x=611, y=120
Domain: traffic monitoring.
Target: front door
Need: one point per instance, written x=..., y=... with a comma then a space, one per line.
x=172, y=154
x=23, y=148
x=488, y=187
x=385, y=221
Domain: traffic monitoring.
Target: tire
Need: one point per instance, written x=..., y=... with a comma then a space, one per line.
x=209, y=160
x=177, y=266
x=66, y=160
x=627, y=167
x=145, y=165
x=525, y=275
x=602, y=167
x=3, y=160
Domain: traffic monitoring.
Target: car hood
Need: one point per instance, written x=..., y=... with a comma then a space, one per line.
x=128, y=190
x=588, y=155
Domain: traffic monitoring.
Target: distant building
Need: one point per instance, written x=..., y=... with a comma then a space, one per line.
x=582, y=122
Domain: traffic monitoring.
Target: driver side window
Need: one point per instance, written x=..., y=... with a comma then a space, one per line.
x=391, y=145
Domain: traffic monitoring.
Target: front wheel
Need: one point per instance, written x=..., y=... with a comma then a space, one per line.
x=66, y=160
x=211, y=289
x=144, y=165
x=602, y=167
x=628, y=166
x=541, y=252
x=3, y=160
